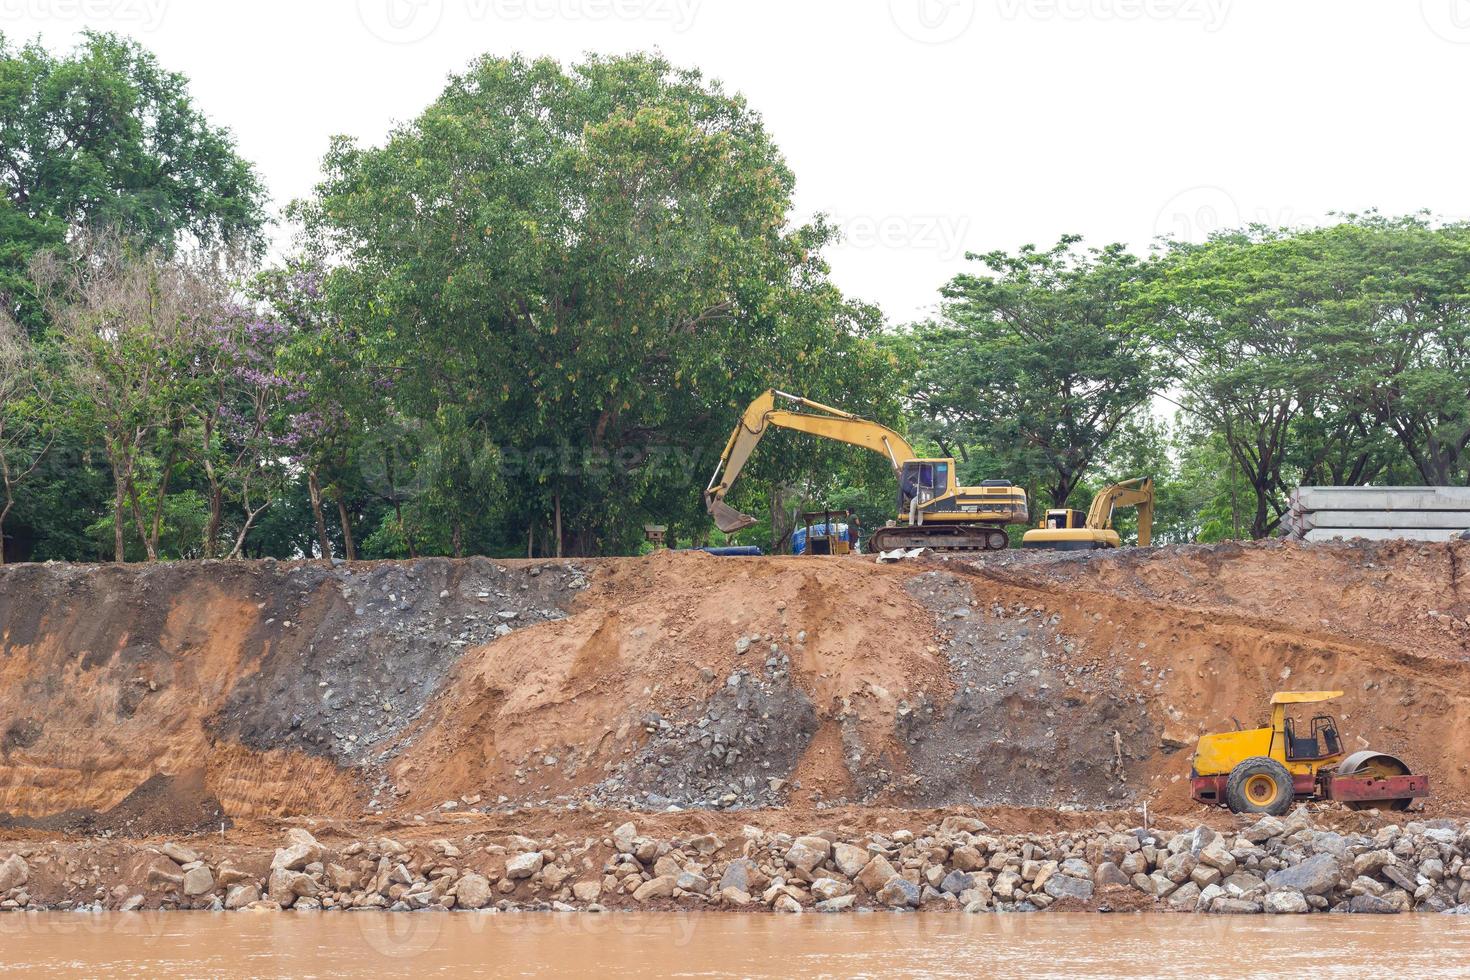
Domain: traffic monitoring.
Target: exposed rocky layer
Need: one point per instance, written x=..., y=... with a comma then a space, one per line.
x=273, y=689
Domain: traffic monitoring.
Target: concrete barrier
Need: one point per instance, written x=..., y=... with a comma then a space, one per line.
x=1377, y=513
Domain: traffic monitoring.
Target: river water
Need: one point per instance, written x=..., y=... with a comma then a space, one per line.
x=373, y=944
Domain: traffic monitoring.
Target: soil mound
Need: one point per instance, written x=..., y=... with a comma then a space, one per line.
x=1022, y=679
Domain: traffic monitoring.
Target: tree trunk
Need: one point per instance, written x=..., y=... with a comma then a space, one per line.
x=4, y=513
x=216, y=516
x=1261, y=524
x=142, y=525
x=168, y=470
x=347, y=544
x=314, y=488
x=456, y=537
x=119, y=503
x=557, y=498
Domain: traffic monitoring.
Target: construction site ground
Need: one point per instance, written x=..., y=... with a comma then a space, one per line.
x=1042, y=693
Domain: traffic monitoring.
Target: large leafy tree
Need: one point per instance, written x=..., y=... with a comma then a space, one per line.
x=583, y=271
x=102, y=142
x=106, y=136
x=1036, y=362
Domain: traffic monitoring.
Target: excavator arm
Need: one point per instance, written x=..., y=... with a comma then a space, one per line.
x=816, y=419
x=1138, y=493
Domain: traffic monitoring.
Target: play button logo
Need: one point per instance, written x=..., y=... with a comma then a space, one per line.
x=400, y=21
x=932, y=21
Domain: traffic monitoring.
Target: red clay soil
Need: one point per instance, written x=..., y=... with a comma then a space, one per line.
x=778, y=686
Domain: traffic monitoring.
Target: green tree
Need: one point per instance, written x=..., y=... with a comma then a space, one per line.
x=106, y=137
x=1037, y=362
x=26, y=426
x=590, y=268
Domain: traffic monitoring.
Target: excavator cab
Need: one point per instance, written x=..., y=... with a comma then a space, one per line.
x=1063, y=519
x=922, y=480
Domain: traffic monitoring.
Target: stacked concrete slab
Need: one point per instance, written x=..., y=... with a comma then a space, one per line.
x=1378, y=513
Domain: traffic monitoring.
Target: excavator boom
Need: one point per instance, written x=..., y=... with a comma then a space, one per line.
x=933, y=511
x=819, y=420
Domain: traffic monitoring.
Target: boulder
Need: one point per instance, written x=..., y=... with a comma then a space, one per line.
x=1234, y=906
x=180, y=853
x=227, y=875
x=740, y=874
x=1204, y=875
x=525, y=865
x=967, y=858
x=691, y=881
x=1066, y=886
x=1286, y=903
x=624, y=836
x=1400, y=876
x=849, y=859
x=876, y=874
x=1109, y=873
x=825, y=889
x=239, y=896
x=301, y=849
x=1185, y=897
x=1371, y=862
x=164, y=873
x=899, y=892
x=1317, y=875
x=1178, y=867
x=198, y=881
x=587, y=891
x=1264, y=829
x=1217, y=855
x=1372, y=905
x=785, y=903
x=660, y=887
x=14, y=872
x=472, y=891
x=808, y=852
x=956, y=882
x=839, y=904
x=734, y=896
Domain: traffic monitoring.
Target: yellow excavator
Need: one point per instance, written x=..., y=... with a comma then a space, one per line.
x=933, y=512
x=1071, y=530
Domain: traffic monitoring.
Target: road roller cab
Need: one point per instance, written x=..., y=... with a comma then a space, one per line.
x=1297, y=756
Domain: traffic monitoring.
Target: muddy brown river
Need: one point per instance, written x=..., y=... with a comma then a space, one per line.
x=336, y=945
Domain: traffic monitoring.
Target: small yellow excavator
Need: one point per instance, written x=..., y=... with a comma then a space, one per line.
x=932, y=511
x=1262, y=770
x=1071, y=530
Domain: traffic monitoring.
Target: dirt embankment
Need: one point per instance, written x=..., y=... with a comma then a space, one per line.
x=240, y=691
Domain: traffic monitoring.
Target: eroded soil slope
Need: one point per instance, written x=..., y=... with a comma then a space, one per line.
x=260, y=689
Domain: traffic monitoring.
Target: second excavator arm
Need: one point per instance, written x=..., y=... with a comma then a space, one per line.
x=1130, y=493
x=819, y=420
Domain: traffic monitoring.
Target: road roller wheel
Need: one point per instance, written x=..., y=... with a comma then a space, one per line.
x=1379, y=765
x=1259, y=785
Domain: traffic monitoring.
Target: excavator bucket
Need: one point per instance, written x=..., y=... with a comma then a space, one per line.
x=727, y=518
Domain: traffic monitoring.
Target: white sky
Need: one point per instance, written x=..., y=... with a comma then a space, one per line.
x=926, y=127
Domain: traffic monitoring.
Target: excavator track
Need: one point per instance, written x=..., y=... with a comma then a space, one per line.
x=938, y=537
